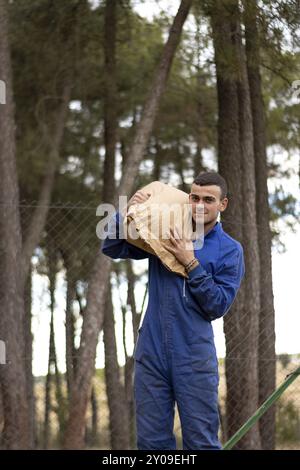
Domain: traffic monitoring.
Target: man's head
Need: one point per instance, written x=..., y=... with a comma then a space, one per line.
x=208, y=197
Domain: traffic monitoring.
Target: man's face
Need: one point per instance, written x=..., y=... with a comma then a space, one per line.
x=206, y=203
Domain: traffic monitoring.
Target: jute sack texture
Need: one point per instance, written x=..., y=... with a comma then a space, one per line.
x=146, y=225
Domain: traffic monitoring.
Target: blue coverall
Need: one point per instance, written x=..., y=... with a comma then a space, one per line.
x=175, y=355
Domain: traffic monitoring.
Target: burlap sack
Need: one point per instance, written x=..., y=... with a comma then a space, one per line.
x=150, y=222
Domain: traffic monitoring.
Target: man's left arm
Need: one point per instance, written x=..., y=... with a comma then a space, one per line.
x=216, y=293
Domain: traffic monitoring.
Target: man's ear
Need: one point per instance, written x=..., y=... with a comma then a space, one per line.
x=223, y=204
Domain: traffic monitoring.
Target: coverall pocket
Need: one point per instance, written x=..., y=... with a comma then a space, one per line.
x=203, y=359
x=204, y=366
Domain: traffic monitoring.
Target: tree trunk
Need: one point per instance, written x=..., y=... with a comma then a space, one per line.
x=1, y=415
x=60, y=407
x=39, y=217
x=129, y=362
x=157, y=161
x=198, y=157
x=129, y=365
x=150, y=110
x=129, y=395
x=131, y=298
x=110, y=101
x=118, y=412
x=251, y=311
x=94, y=423
x=267, y=355
x=180, y=165
x=28, y=363
x=99, y=276
x=230, y=167
x=16, y=433
x=70, y=347
x=237, y=166
x=48, y=405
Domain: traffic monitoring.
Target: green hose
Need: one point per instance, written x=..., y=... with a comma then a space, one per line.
x=261, y=410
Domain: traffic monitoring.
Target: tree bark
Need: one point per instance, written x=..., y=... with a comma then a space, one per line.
x=110, y=101
x=251, y=311
x=179, y=166
x=198, y=156
x=94, y=421
x=59, y=396
x=16, y=433
x=70, y=333
x=267, y=355
x=118, y=411
x=129, y=362
x=238, y=167
x=131, y=278
x=229, y=163
x=48, y=405
x=157, y=161
x=39, y=217
x=150, y=110
x=60, y=405
x=28, y=338
x=129, y=365
x=98, y=285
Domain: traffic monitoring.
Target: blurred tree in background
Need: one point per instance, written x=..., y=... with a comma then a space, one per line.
x=101, y=102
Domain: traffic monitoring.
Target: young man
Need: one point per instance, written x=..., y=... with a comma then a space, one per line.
x=175, y=356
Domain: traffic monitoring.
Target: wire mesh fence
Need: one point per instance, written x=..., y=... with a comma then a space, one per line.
x=55, y=301
x=98, y=434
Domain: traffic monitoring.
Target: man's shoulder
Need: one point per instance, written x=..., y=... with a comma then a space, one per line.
x=229, y=243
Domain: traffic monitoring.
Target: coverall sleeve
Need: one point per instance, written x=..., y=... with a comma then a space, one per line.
x=215, y=293
x=118, y=247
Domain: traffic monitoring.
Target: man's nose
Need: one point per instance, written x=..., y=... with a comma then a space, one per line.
x=199, y=207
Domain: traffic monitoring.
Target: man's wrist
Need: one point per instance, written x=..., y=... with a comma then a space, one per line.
x=191, y=265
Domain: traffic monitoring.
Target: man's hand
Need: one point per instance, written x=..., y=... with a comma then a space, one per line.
x=138, y=198
x=181, y=248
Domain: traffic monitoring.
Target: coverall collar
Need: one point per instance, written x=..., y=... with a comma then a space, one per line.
x=216, y=228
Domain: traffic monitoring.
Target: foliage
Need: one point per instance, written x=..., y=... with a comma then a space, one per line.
x=287, y=422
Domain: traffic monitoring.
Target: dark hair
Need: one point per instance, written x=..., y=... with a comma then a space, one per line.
x=208, y=178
